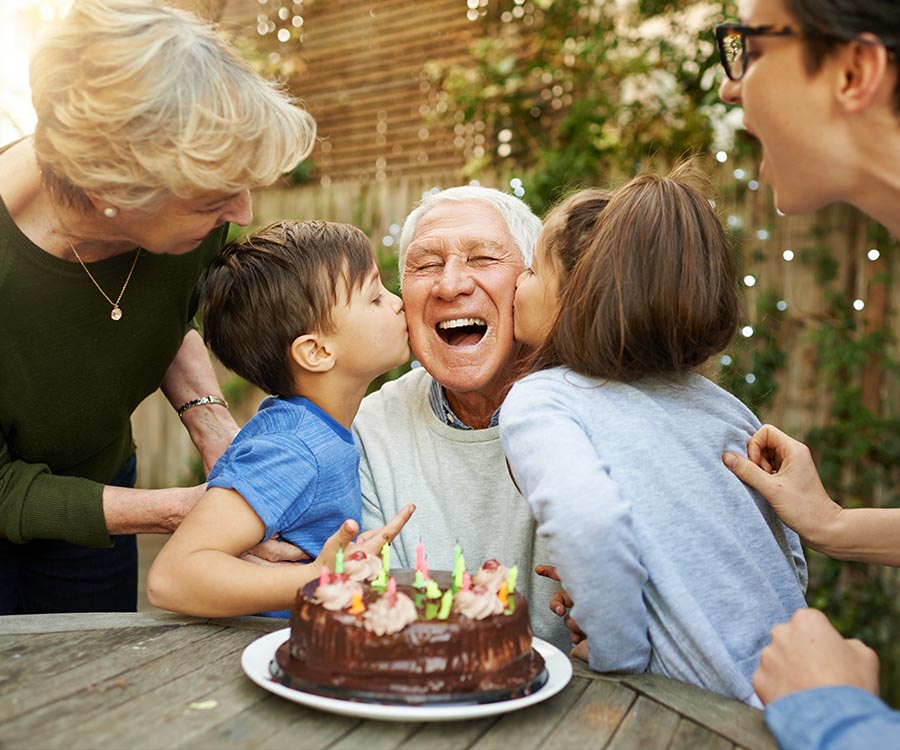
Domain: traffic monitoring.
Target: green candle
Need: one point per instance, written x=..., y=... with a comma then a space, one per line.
x=446, y=603
x=386, y=557
x=511, y=580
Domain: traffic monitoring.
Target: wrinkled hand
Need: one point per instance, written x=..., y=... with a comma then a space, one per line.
x=782, y=470
x=561, y=603
x=274, y=551
x=807, y=653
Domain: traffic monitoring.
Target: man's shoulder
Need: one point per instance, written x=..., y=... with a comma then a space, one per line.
x=405, y=390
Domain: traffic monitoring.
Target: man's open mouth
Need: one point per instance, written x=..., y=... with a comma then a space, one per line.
x=462, y=331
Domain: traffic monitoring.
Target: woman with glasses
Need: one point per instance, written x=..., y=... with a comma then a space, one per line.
x=818, y=82
x=151, y=131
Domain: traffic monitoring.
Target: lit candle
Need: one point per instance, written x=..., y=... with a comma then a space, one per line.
x=386, y=558
x=420, y=554
x=467, y=581
x=323, y=575
x=339, y=561
x=511, y=579
x=446, y=604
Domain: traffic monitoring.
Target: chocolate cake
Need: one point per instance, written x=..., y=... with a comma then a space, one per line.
x=408, y=644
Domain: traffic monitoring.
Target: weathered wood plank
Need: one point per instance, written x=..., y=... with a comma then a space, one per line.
x=595, y=718
x=13, y=624
x=449, y=736
x=538, y=725
x=737, y=721
x=377, y=735
x=647, y=725
x=691, y=736
x=105, y=707
x=34, y=684
x=274, y=723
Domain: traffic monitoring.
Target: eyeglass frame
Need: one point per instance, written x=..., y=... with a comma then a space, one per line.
x=724, y=30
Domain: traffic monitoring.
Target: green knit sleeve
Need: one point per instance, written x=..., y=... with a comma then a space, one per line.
x=35, y=504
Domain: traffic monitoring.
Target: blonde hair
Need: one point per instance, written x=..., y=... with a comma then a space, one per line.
x=137, y=102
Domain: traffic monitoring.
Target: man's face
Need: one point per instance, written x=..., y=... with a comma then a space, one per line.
x=459, y=281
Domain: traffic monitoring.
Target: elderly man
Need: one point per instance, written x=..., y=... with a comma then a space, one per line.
x=431, y=437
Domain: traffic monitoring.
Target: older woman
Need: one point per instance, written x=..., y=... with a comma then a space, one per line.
x=820, y=88
x=150, y=133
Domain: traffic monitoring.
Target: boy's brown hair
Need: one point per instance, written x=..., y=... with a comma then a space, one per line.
x=264, y=291
x=653, y=289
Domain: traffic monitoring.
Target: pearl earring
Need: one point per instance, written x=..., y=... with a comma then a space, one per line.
x=110, y=212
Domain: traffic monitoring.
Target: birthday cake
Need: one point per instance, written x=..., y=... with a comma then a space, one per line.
x=414, y=637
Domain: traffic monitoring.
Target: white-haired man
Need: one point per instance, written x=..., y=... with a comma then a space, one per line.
x=431, y=437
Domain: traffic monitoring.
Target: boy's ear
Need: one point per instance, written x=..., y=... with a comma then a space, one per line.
x=313, y=352
x=864, y=74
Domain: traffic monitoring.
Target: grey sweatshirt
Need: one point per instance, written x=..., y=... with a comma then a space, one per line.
x=459, y=483
x=675, y=566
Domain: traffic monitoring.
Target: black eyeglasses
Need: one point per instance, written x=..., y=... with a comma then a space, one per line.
x=731, y=38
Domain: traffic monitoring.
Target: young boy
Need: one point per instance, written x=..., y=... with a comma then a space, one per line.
x=299, y=310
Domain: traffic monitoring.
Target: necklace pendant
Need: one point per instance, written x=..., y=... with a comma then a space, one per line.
x=116, y=313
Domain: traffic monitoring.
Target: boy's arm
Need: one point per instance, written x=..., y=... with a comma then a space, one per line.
x=200, y=571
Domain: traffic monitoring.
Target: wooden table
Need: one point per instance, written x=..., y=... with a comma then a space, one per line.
x=166, y=681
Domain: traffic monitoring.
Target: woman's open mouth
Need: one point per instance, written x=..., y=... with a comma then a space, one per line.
x=462, y=331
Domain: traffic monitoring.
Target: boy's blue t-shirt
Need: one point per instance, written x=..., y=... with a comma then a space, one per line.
x=297, y=468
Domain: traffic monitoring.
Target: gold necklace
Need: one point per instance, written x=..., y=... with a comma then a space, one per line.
x=116, y=312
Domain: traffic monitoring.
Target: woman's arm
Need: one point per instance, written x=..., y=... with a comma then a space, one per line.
x=200, y=572
x=191, y=376
x=587, y=522
x=782, y=470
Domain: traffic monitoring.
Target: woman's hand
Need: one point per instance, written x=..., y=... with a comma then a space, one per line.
x=139, y=511
x=274, y=551
x=782, y=470
x=807, y=653
x=561, y=603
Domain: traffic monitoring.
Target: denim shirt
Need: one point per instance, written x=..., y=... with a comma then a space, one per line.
x=833, y=718
x=441, y=408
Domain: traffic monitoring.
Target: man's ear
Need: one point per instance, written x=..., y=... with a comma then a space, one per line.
x=864, y=74
x=313, y=352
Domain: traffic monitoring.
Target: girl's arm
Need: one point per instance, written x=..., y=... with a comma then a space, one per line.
x=200, y=572
x=586, y=519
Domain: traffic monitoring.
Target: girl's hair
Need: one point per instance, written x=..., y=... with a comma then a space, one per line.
x=137, y=102
x=648, y=288
x=827, y=24
x=262, y=292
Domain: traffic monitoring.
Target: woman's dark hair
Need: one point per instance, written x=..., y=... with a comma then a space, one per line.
x=653, y=289
x=826, y=24
x=264, y=291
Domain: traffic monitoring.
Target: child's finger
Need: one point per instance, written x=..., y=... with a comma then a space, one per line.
x=341, y=538
x=547, y=571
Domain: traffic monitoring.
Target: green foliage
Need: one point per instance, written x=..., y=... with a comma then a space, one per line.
x=580, y=92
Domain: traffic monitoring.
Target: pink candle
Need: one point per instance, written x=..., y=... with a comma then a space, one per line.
x=323, y=575
x=467, y=581
x=420, y=555
x=424, y=569
x=392, y=587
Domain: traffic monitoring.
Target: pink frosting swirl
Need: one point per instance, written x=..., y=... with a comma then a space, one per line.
x=365, y=569
x=477, y=603
x=390, y=614
x=491, y=579
x=337, y=595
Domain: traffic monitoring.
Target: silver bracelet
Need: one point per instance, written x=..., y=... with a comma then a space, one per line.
x=210, y=399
